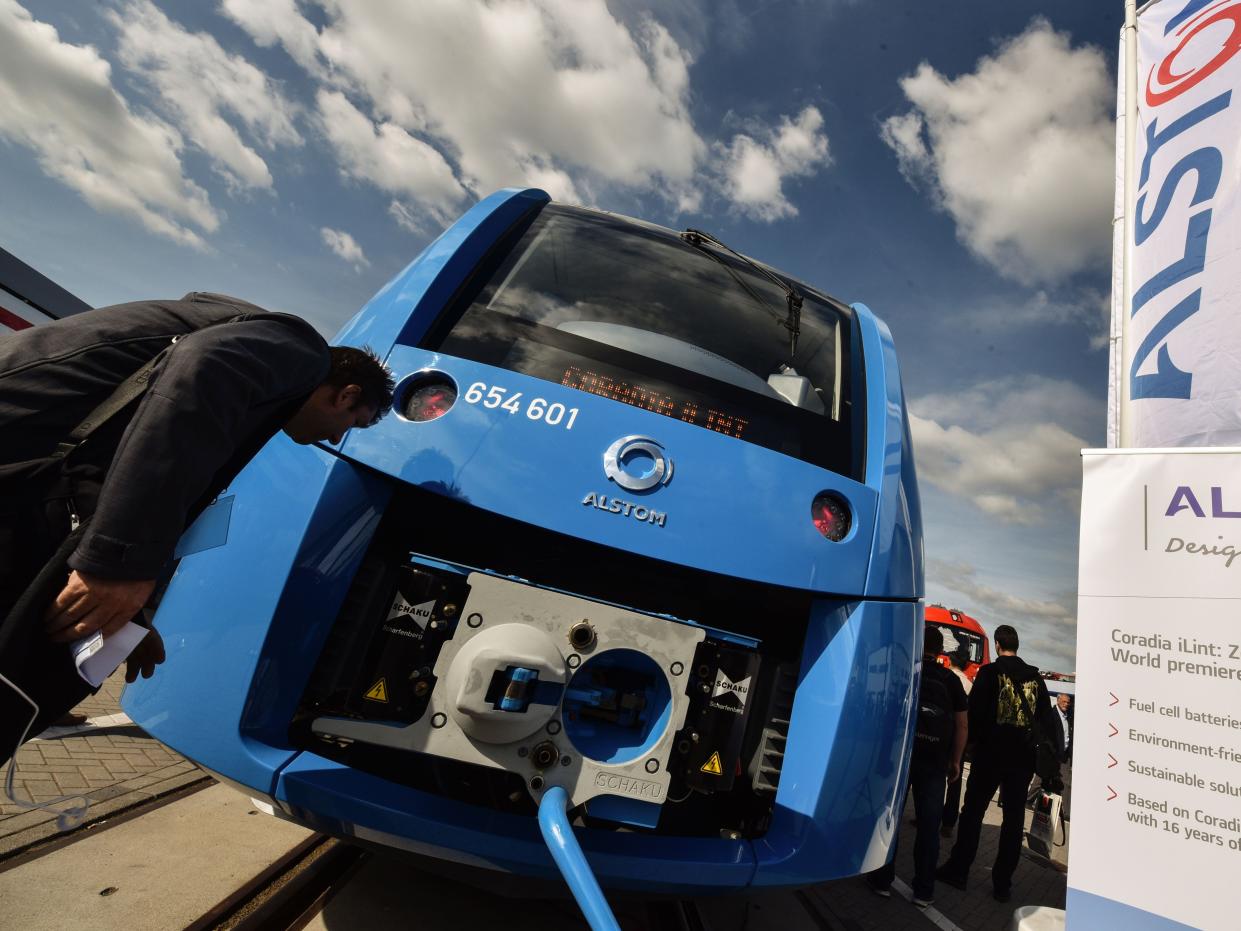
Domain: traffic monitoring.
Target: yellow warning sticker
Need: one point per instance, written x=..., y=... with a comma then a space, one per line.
x=378, y=691
x=712, y=765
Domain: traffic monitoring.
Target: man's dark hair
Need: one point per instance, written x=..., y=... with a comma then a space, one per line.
x=362, y=367
x=960, y=657
x=1006, y=638
x=932, y=642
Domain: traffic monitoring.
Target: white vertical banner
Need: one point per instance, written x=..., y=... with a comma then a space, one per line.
x=1182, y=354
x=1115, y=364
x=1156, y=840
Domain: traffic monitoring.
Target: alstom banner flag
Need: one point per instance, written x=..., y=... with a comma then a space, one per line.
x=1180, y=364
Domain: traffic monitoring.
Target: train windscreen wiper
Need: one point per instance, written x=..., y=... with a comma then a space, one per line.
x=792, y=322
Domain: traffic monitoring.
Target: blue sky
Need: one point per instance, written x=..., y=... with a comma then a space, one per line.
x=948, y=164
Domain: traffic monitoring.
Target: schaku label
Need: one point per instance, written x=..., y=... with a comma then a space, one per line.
x=719, y=717
x=628, y=785
x=406, y=619
x=394, y=680
x=729, y=695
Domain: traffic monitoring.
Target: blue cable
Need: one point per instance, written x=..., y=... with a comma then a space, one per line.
x=558, y=835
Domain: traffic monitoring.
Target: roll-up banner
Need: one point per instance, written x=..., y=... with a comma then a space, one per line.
x=1182, y=353
x=1156, y=829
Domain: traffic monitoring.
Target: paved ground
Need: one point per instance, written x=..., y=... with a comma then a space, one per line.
x=1037, y=881
x=117, y=766
x=142, y=875
x=114, y=765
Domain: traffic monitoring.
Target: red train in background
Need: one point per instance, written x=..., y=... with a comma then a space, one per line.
x=29, y=298
x=961, y=632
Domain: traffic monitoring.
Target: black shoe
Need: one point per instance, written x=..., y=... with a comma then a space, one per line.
x=1002, y=895
x=947, y=875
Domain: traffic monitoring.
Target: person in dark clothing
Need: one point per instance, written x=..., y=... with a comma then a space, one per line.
x=935, y=761
x=952, y=798
x=1063, y=719
x=84, y=537
x=1061, y=736
x=1008, y=708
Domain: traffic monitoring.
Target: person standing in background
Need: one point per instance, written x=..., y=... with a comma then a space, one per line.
x=1009, y=711
x=940, y=734
x=952, y=800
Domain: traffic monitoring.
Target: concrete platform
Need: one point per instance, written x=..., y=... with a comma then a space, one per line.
x=1037, y=881
x=160, y=871
x=388, y=892
x=171, y=864
x=113, y=763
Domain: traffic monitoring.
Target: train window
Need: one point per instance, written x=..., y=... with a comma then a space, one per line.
x=956, y=638
x=631, y=312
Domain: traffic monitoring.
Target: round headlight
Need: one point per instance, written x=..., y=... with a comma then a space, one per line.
x=429, y=398
x=831, y=516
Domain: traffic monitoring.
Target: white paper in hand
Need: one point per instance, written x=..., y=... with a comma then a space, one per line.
x=98, y=656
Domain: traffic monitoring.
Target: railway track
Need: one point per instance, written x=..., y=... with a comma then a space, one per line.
x=306, y=880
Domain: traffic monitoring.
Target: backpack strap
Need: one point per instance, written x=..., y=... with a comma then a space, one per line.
x=131, y=388
x=125, y=392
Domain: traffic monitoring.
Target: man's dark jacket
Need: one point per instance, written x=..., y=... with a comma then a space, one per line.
x=222, y=391
x=1064, y=742
x=999, y=721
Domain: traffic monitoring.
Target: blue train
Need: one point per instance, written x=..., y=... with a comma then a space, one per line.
x=642, y=536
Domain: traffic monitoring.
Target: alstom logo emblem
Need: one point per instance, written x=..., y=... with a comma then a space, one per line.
x=1192, y=61
x=637, y=463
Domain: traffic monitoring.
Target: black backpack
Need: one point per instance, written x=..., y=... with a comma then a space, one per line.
x=935, y=726
x=1046, y=756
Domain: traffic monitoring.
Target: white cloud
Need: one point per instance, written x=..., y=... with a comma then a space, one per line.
x=1100, y=333
x=560, y=94
x=1046, y=627
x=557, y=84
x=58, y=100
x=963, y=578
x=1014, y=461
x=197, y=82
x=388, y=157
x=1086, y=307
x=277, y=21
x=1019, y=153
x=405, y=217
x=1010, y=472
x=1018, y=399
x=754, y=171
x=344, y=246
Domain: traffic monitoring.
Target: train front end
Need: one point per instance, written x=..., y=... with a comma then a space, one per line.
x=963, y=635
x=643, y=525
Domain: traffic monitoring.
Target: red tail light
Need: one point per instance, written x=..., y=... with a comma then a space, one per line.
x=831, y=516
x=429, y=397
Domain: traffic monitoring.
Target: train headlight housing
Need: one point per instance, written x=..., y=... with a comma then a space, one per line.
x=831, y=516
x=428, y=396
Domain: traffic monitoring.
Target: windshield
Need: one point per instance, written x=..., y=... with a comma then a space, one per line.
x=631, y=312
x=956, y=638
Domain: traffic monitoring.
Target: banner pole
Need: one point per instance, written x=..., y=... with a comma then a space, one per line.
x=1125, y=407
